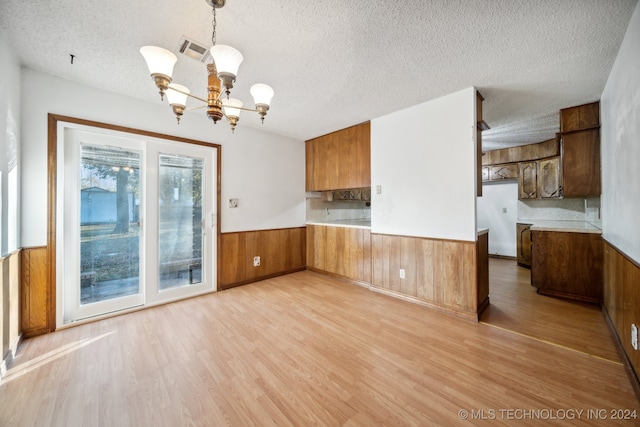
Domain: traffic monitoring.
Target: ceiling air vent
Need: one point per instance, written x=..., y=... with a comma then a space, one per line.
x=193, y=50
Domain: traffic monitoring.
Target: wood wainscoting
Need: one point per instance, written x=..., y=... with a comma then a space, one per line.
x=281, y=251
x=37, y=302
x=10, y=331
x=447, y=275
x=622, y=305
x=340, y=251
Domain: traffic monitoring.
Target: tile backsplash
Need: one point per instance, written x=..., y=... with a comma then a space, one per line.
x=560, y=209
x=318, y=210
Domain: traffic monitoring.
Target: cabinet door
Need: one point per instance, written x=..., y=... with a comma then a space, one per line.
x=580, y=117
x=332, y=161
x=364, y=154
x=485, y=173
x=549, y=178
x=581, y=163
x=499, y=172
x=347, y=158
x=528, y=180
x=340, y=160
x=523, y=244
x=310, y=172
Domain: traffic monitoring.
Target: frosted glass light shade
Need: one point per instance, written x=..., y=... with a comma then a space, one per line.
x=232, y=107
x=177, y=98
x=261, y=93
x=227, y=59
x=159, y=60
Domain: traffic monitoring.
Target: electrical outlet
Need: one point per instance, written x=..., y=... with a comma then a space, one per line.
x=256, y=261
x=634, y=336
x=233, y=203
x=378, y=189
x=402, y=273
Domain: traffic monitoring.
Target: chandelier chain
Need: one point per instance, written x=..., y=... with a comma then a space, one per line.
x=213, y=23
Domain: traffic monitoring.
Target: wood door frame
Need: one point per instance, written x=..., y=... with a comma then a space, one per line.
x=52, y=173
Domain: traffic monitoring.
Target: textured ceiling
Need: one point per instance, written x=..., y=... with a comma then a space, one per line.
x=335, y=64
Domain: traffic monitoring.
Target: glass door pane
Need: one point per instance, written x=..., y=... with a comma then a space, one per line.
x=109, y=223
x=180, y=221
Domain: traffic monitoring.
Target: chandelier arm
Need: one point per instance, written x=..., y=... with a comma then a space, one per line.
x=197, y=97
x=247, y=109
x=189, y=94
x=195, y=108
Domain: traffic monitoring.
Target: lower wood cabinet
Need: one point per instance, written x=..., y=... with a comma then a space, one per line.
x=567, y=264
x=523, y=244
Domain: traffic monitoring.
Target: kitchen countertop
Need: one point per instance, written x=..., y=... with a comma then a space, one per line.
x=350, y=223
x=363, y=223
x=482, y=231
x=563, y=226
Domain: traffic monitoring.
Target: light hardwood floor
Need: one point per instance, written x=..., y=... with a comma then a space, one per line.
x=306, y=349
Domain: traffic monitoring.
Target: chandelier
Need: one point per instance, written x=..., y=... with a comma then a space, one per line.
x=221, y=73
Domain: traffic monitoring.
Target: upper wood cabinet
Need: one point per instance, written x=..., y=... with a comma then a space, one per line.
x=485, y=173
x=339, y=160
x=481, y=125
x=580, y=117
x=540, y=179
x=522, y=153
x=501, y=172
x=528, y=180
x=566, y=166
x=581, y=163
x=549, y=178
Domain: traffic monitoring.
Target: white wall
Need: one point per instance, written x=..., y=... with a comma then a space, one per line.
x=620, y=145
x=9, y=201
x=423, y=158
x=9, y=148
x=264, y=171
x=502, y=225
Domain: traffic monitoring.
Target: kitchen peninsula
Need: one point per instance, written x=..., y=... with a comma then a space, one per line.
x=452, y=277
x=567, y=260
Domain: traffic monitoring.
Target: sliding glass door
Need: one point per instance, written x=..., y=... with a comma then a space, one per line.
x=138, y=222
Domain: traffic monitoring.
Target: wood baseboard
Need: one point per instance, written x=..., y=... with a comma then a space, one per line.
x=337, y=276
x=399, y=295
x=559, y=294
x=482, y=307
x=503, y=257
x=8, y=358
x=257, y=279
x=437, y=307
x=628, y=367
